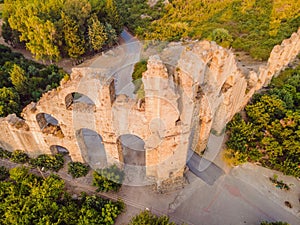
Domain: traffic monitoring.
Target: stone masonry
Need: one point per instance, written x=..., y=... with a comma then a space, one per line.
x=186, y=98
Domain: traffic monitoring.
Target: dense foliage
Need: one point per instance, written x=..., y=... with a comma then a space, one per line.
x=274, y=223
x=23, y=81
x=78, y=169
x=28, y=199
x=19, y=156
x=147, y=218
x=108, y=179
x=4, y=174
x=248, y=25
x=49, y=162
x=52, y=29
x=270, y=134
x=4, y=154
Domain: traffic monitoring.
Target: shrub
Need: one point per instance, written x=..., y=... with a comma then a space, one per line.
x=50, y=162
x=139, y=69
x=19, y=156
x=146, y=217
x=4, y=174
x=4, y=154
x=108, y=179
x=222, y=37
x=78, y=169
x=274, y=223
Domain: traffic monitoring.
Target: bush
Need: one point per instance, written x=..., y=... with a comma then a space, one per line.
x=108, y=179
x=49, y=162
x=19, y=156
x=4, y=174
x=146, y=217
x=139, y=69
x=4, y=154
x=274, y=223
x=222, y=37
x=78, y=169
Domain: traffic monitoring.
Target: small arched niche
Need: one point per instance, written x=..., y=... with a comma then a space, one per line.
x=79, y=102
x=49, y=125
x=55, y=149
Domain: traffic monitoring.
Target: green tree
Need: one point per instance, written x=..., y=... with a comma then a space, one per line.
x=74, y=41
x=112, y=36
x=9, y=101
x=96, y=33
x=40, y=39
x=28, y=199
x=112, y=15
x=19, y=79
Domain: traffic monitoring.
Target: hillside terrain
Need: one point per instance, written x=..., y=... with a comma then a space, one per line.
x=254, y=26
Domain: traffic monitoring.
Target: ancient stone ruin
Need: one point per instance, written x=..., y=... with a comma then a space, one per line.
x=188, y=96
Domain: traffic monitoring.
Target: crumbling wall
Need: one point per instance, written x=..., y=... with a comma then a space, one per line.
x=199, y=92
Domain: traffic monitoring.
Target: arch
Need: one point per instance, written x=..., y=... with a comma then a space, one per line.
x=58, y=149
x=133, y=149
x=49, y=125
x=77, y=101
x=91, y=147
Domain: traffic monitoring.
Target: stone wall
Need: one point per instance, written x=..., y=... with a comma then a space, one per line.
x=185, y=99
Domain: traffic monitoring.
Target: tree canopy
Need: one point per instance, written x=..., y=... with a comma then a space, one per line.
x=28, y=199
x=23, y=81
x=270, y=134
x=52, y=29
x=253, y=26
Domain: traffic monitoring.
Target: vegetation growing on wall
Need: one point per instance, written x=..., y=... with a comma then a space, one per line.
x=52, y=29
x=28, y=199
x=139, y=69
x=23, y=81
x=270, y=133
x=255, y=26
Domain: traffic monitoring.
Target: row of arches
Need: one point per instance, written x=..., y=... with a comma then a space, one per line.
x=89, y=141
x=50, y=125
x=93, y=150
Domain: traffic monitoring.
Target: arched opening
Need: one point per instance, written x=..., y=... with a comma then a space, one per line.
x=55, y=149
x=92, y=148
x=49, y=125
x=78, y=101
x=133, y=150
